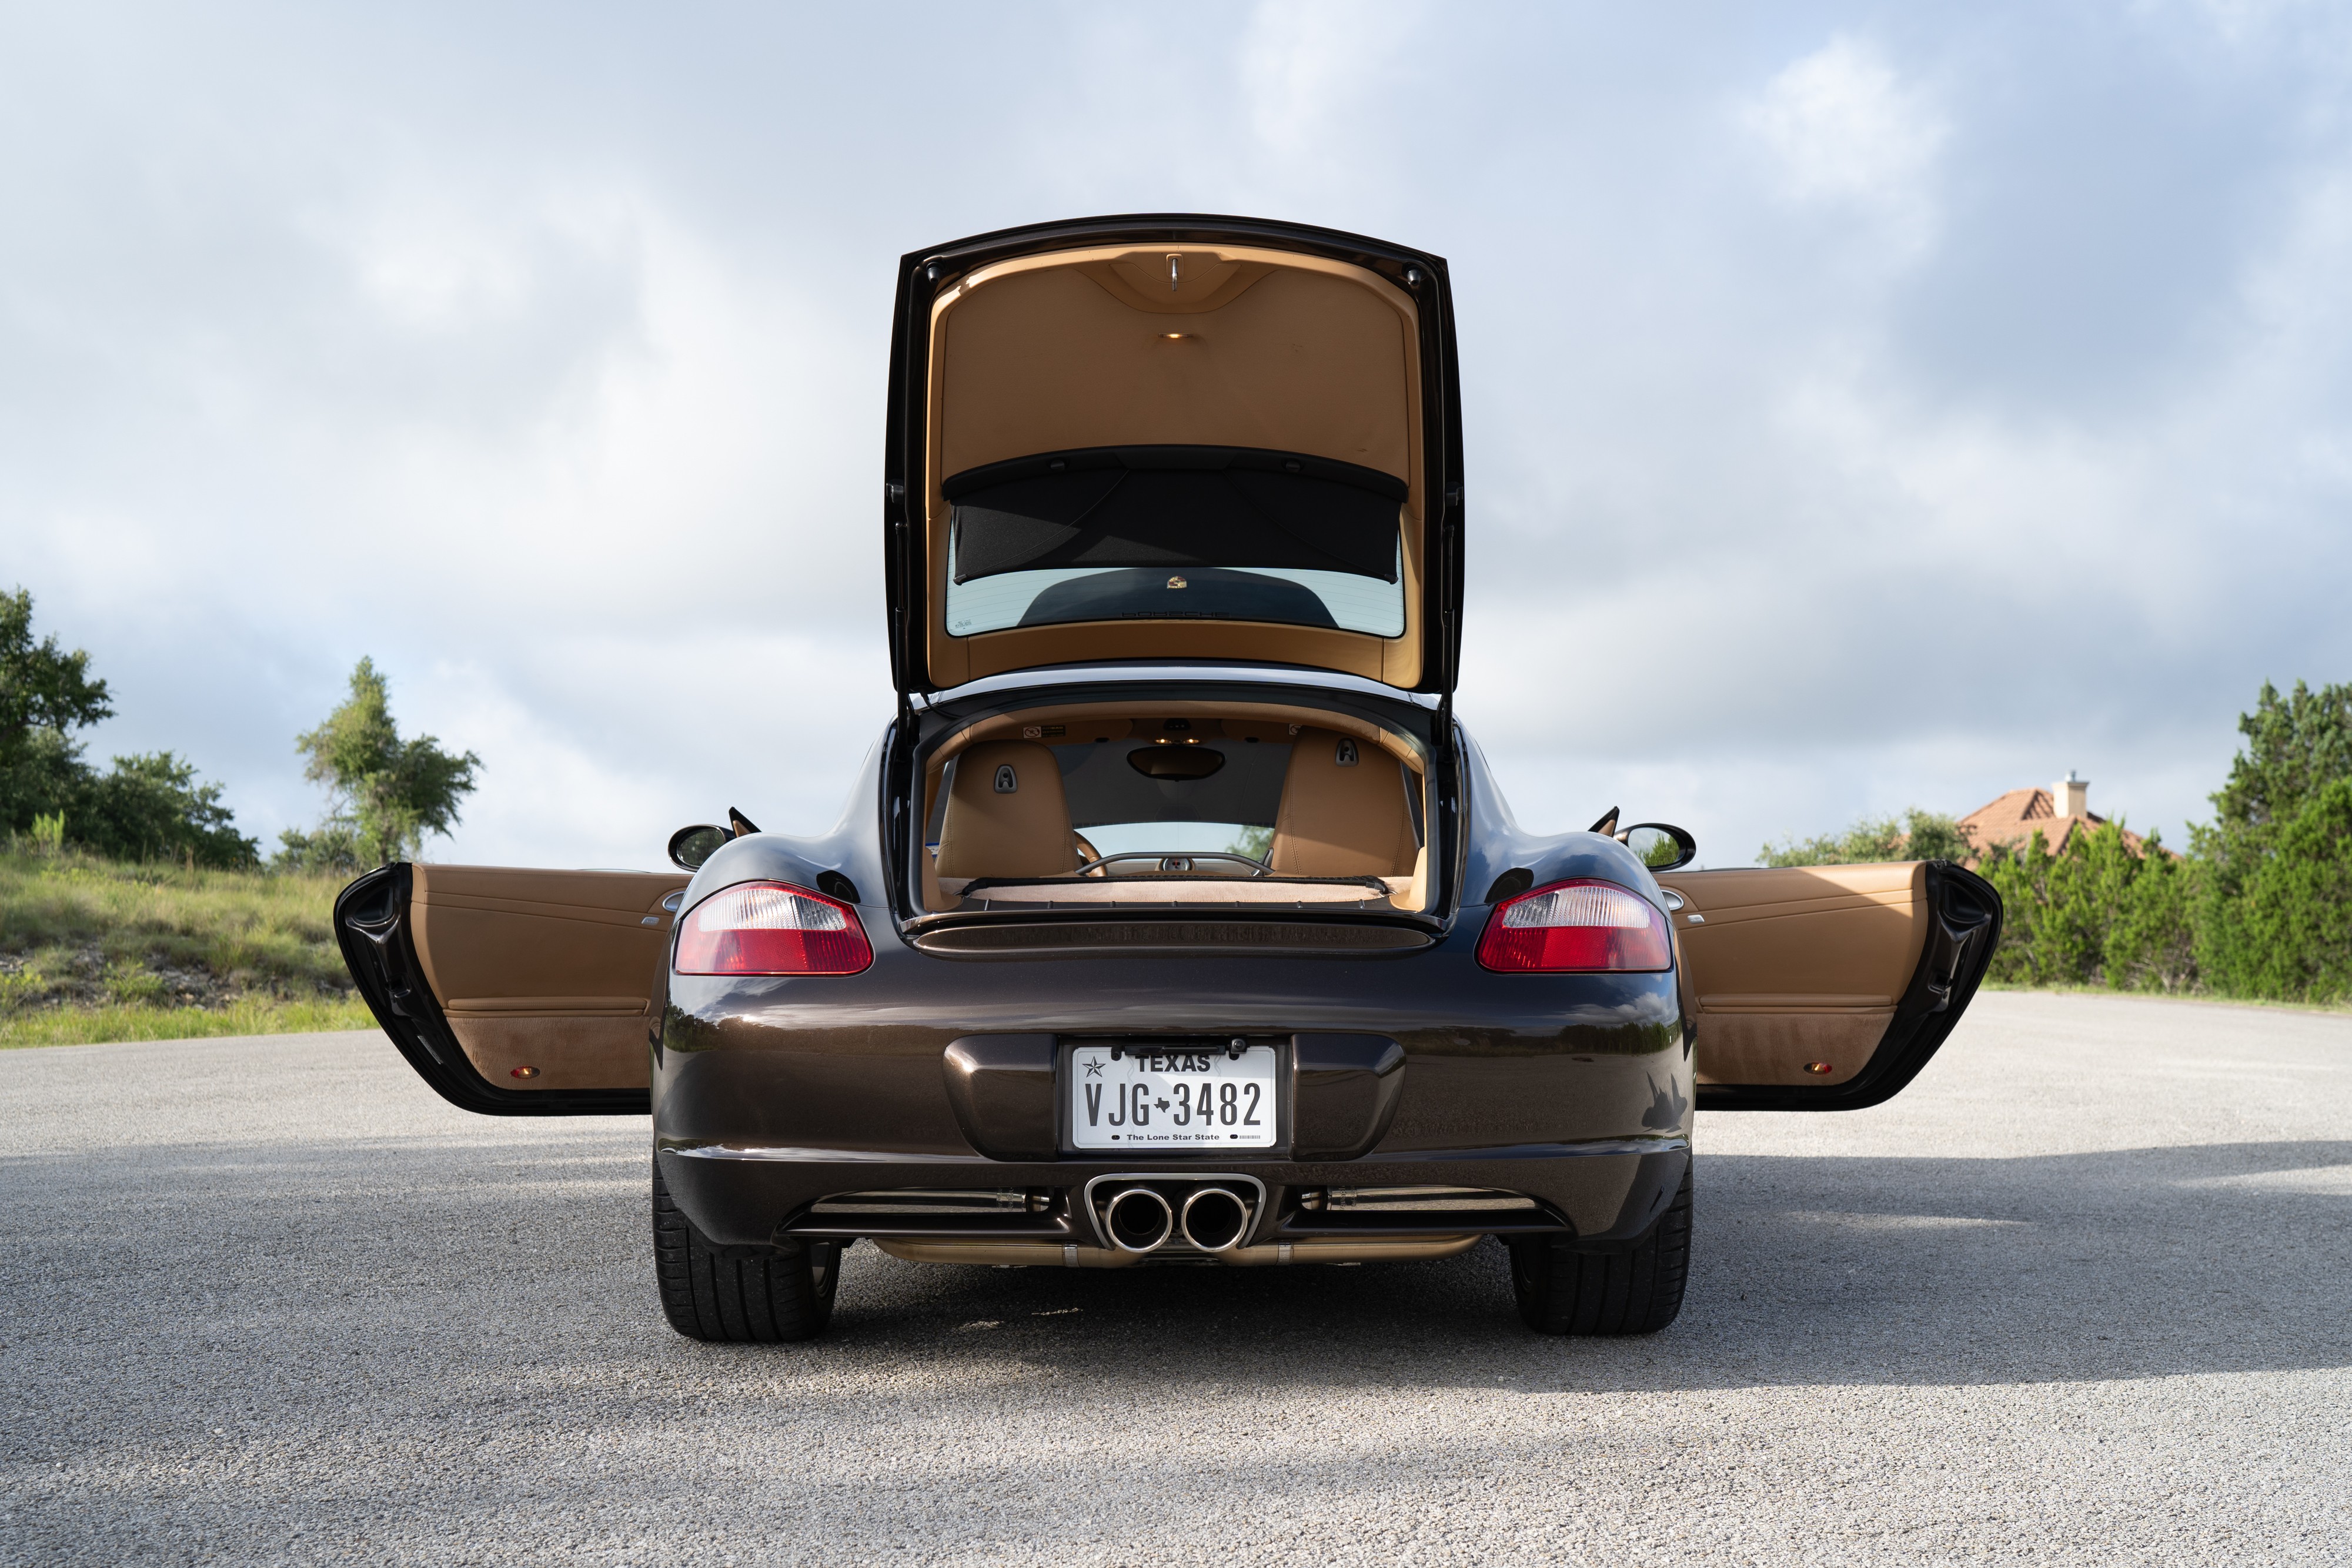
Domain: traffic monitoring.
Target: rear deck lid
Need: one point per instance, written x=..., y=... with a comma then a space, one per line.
x=1173, y=438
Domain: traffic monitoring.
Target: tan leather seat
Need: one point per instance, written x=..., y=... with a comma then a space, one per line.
x=1006, y=815
x=1343, y=810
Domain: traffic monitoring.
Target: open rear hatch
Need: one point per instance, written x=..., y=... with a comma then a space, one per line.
x=1173, y=438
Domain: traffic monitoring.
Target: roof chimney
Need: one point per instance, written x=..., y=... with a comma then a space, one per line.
x=2073, y=796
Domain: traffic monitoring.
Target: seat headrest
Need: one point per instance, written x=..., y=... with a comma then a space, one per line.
x=1006, y=815
x=1343, y=813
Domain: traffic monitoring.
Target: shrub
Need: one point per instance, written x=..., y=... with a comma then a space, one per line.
x=2151, y=936
x=2284, y=932
x=1917, y=835
x=2091, y=914
x=332, y=848
x=151, y=807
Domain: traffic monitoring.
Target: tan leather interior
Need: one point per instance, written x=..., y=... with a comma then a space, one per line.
x=1006, y=814
x=1252, y=347
x=554, y=971
x=1412, y=891
x=1334, y=820
x=1343, y=813
x=1231, y=892
x=1796, y=967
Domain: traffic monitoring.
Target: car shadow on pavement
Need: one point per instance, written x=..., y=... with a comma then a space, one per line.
x=2129, y=1264
x=507, y=1260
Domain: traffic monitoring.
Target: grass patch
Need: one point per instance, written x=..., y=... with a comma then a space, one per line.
x=124, y=1021
x=2208, y=998
x=93, y=950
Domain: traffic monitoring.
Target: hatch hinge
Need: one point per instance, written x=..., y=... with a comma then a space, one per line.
x=1449, y=774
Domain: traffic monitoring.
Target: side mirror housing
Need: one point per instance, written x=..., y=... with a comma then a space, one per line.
x=1661, y=845
x=689, y=847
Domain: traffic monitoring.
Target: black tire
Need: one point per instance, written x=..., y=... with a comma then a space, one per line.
x=739, y=1295
x=1563, y=1288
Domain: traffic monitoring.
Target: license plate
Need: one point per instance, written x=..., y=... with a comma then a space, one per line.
x=1178, y=1097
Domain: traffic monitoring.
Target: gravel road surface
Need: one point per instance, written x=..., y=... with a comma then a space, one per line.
x=2080, y=1295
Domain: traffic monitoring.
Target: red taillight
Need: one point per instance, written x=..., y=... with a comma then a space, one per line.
x=770, y=928
x=1575, y=926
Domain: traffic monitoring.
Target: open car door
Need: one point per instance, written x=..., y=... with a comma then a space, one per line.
x=516, y=993
x=1826, y=988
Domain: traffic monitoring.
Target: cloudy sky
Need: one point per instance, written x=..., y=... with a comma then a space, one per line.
x=1866, y=405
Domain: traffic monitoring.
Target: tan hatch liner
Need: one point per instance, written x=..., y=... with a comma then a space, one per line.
x=1797, y=967
x=553, y=971
x=1256, y=347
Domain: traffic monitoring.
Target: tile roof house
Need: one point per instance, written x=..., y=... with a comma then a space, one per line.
x=2056, y=812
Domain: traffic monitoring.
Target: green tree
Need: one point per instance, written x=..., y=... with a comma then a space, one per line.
x=2286, y=934
x=46, y=693
x=2093, y=913
x=2295, y=747
x=2270, y=834
x=384, y=794
x=1917, y=835
x=148, y=807
x=2037, y=942
x=2151, y=936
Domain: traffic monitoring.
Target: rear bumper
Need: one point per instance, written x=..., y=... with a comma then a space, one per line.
x=1605, y=1191
x=1413, y=1069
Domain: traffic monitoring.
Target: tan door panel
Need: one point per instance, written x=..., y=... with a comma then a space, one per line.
x=1793, y=972
x=547, y=977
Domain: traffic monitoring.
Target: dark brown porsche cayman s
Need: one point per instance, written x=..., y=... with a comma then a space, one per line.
x=1174, y=920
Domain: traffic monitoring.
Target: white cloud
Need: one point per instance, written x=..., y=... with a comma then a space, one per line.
x=1842, y=129
x=439, y=269
x=1314, y=72
x=556, y=383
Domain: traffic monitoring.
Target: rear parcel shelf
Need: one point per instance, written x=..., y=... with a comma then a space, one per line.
x=1009, y=938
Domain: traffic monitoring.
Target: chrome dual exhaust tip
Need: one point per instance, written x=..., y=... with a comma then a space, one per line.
x=1138, y=1221
x=1215, y=1218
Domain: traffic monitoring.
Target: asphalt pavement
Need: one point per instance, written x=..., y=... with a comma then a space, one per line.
x=2079, y=1296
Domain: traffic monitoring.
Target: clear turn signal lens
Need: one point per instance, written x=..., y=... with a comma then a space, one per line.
x=770, y=928
x=1575, y=926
